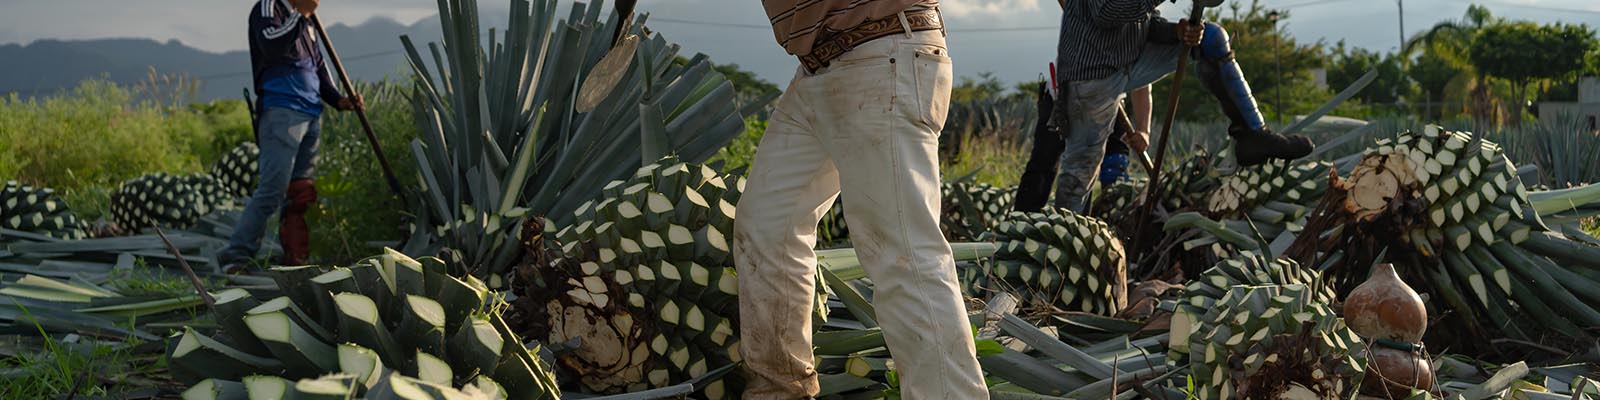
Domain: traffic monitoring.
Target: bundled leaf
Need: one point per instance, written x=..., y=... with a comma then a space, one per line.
x=645, y=282
x=1452, y=207
x=37, y=210
x=1264, y=342
x=973, y=210
x=1274, y=193
x=157, y=199
x=1061, y=259
x=386, y=325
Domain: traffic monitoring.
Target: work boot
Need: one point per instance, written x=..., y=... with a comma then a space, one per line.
x=293, y=233
x=1252, y=147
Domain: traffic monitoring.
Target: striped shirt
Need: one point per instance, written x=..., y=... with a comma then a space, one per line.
x=1100, y=37
x=798, y=23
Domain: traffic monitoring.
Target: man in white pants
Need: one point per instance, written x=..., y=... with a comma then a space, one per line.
x=862, y=114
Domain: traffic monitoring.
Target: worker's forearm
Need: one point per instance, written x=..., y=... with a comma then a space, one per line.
x=1141, y=108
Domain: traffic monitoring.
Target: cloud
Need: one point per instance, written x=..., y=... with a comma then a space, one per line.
x=966, y=8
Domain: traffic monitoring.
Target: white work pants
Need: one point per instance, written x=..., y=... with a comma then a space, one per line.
x=869, y=125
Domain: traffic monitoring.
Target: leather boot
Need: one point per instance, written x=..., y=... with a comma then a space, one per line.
x=293, y=233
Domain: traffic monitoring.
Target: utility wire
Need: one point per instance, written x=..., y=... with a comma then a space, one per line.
x=767, y=28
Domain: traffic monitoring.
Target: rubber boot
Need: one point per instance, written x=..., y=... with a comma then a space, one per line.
x=293, y=233
x=1253, y=142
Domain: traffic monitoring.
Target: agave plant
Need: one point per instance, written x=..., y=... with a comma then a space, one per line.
x=1451, y=205
x=34, y=209
x=385, y=325
x=502, y=137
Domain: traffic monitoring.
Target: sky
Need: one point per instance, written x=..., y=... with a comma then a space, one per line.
x=1012, y=38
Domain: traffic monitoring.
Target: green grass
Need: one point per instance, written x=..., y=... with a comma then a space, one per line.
x=355, y=205
x=86, y=141
x=100, y=135
x=741, y=154
x=53, y=367
x=990, y=159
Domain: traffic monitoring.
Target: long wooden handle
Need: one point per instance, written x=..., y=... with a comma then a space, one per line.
x=1152, y=190
x=361, y=111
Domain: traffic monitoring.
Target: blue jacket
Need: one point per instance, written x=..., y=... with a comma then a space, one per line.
x=286, y=61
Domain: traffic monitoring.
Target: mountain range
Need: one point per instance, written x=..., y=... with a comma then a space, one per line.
x=370, y=50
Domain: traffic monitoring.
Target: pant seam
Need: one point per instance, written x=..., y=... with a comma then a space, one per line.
x=918, y=279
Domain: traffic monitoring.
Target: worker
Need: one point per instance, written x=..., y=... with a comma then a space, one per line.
x=869, y=99
x=292, y=83
x=1108, y=47
x=1033, y=189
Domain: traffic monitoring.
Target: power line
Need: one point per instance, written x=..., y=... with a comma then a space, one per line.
x=1545, y=8
x=766, y=27
x=1307, y=4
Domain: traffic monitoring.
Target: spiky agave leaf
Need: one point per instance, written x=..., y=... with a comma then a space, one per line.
x=388, y=317
x=503, y=139
x=645, y=281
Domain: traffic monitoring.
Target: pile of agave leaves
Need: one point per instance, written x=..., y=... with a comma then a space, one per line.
x=564, y=254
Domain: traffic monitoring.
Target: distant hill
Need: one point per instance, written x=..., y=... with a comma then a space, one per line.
x=370, y=51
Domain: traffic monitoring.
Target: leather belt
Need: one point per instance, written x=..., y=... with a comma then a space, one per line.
x=834, y=44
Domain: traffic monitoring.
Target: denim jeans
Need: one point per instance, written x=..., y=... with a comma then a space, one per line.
x=1088, y=110
x=288, y=141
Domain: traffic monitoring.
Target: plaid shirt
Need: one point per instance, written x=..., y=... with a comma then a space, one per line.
x=797, y=23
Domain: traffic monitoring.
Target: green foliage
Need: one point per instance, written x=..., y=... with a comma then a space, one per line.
x=355, y=205
x=747, y=87
x=992, y=159
x=741, y=153
x=1523, y=52
x=1277, y=66
x=1432, y=73
x=984, y=86
x=1391, y=86
x=99, y=134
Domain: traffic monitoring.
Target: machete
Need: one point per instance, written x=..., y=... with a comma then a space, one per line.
x=608, y=72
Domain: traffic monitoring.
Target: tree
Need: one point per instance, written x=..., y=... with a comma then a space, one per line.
x=1391, y=85
x=746, y=86
x=1448, y=41
x=985, y=86
x=1433, y=75
x=1259, y=46
x=1524, y=53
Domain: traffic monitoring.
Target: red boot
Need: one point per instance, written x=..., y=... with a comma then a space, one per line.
x=293, y=232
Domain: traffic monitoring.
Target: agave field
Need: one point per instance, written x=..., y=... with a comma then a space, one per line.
x=557, y=250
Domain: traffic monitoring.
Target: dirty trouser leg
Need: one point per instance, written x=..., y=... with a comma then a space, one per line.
x=281, y=131
x=293, y=233
x=1033, y=190
x=791, y=184
x=1088, y=110
x=883, y=132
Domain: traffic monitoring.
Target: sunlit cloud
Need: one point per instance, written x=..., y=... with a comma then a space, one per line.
x=966, y=8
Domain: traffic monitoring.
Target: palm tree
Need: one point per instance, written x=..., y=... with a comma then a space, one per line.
x=1448, y=41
